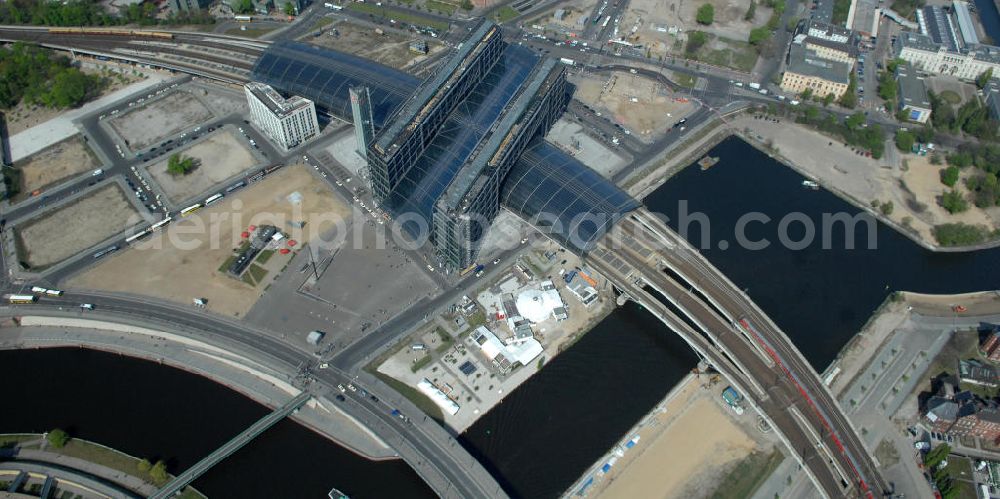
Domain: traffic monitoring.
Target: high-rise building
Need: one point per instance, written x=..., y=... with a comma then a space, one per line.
x=289, y=122
x=417, y=122
x=364, y=124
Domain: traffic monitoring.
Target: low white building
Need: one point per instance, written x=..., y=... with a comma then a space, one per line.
x=539, y=304
x=289, y=122
x=505, y=355
x=437, y=396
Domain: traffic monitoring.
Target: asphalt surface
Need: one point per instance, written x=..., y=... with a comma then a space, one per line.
x=425, y=445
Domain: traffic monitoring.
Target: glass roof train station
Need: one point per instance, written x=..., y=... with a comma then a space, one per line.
x=451, y=150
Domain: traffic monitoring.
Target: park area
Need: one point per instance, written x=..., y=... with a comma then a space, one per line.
x=217, y=157
x=644, y=107
x=53, y=164
x=389, y=48
x=74, y=227
x=187, y=260
x=146, y=125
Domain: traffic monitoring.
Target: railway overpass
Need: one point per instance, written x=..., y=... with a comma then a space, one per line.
x=658, y=269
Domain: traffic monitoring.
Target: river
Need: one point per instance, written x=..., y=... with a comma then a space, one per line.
x=990, y=19
x=548, y=431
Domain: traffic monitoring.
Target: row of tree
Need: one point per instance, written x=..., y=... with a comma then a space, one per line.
x=89, y=13
x=852, y=129
x=36, y=76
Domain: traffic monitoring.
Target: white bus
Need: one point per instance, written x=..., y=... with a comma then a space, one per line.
x=190, y=209
x=213, y=199
x=136, y=236
x=243, y=19
x=155, y=227
x=53, y=292
x=38, y=289
x=22, y=298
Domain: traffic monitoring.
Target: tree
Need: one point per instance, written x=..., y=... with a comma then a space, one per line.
x=887, y=87
x=759, y=35
x=904, y=140
x=850, y=97
x=69, y=88
x=243, y=7
x=144, y=466
x=983, y=79
x=886, y=208
x=828, y=99
x=854, y=121
x=696, y=40
x=705, y=15
x=179, y=165
x=949, y=176
x=807, y=93
x=751, y=11
x=159, y=472
x=58, y=438
x=289, y=9
x=953, y=201
x=466, y=5
x=959, y=234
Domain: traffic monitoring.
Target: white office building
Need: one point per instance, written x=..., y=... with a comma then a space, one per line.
x=289, y=122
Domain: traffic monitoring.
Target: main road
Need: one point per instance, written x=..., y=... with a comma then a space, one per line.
x=427, y=447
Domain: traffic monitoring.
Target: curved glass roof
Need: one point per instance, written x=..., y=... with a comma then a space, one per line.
x=564, y=198
x=325, y=77
x=470, y=122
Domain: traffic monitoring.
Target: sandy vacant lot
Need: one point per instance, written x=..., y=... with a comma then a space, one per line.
x=686, y=448
x=146, y=125
x=728, y=21
x=643, y=106
x=183, y=262
x=76, y=226
x=56, y=162
x=218, y=157
x=923, y=187
x=391, y=48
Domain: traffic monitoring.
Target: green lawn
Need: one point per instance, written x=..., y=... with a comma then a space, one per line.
x=747, y=476
x=249, y=32
x=421, y=363
x=435, y=5
x=505, y=13
x=419, y=399
x=684, y=80
x=226, y=263
x=399, y=15
x=264, y=256
x=960, y=470
x=737, y=54
x=257, y=272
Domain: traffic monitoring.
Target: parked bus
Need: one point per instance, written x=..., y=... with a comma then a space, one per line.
x=38, y=289
x=244, y=19
x=105, y=251
x=155, y=227
x=213, y=199
x=235, y=186
x=53, y=292
x=22, y=298
x=190, y=209
x=136, y=236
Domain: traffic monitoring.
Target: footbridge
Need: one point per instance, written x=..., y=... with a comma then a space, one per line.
x=191, y=474
x=658, y=269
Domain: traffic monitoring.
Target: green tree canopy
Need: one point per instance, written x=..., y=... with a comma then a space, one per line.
x=289, y=9
x=706, y=14
x=759, y=35
x=953, y=201
x=984, y=78
x=696, y=40
x=751, y=11
x=179, y=165
x=58, y=438
x=159, y=472
x=949, y=176
x=243, y=7
x=904, y=140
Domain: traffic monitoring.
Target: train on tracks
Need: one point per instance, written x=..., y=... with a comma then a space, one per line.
x=111, y=32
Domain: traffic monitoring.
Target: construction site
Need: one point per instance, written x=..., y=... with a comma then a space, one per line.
x=644, y=107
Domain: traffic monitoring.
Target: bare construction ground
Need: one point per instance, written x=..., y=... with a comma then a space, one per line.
x=691, y=448
x=64, y=232
x=54, y=163
x=218, y=157
x=146, y=125
x=390, y=48
x=641, y=105
x=183, y=262
x=654, y=20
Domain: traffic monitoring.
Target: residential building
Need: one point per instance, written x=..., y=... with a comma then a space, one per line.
x=963, y=415
x=827, y=41
x=807, y=70
x=990, y=346
x=913, y=93
x=178, y=6
x=289, y=122
x=992, y=94
x=977, y=373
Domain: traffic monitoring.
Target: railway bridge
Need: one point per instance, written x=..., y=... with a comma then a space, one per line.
x=655, y=267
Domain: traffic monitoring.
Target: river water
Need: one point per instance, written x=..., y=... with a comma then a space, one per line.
x=990, y=18
x=546, y=433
